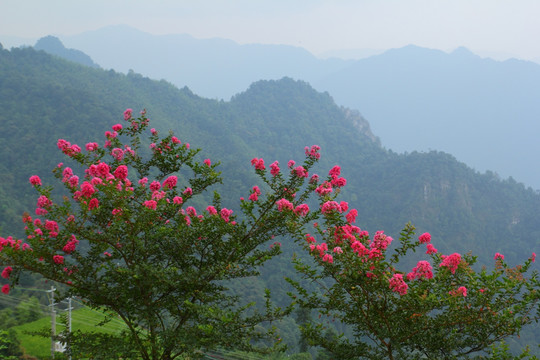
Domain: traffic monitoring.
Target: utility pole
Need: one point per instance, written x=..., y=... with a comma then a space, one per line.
x=53, y=321
x=69, y=326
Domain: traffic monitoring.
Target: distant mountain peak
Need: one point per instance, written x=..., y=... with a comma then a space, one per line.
x=52, y=45
x=463, y=51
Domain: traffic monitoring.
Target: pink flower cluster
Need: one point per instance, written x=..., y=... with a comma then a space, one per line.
x=425, y=238
x=127, y=114
x=313, y=152
x=336, y=180
x=256, y=192
x=35, y=180
x=225, y=214
x=67, y=148
x=462, y=290
x=451, y=262
x=169, y=182
x=300, y=171
x=7, y=272
x=274, y=168
x=430, y=249
x=301, y=210
x=258, y=163
x=380, y=240
x=331, y=206
x=397, y=284
x=284, y=204
x=421, y=270
x=71, y=245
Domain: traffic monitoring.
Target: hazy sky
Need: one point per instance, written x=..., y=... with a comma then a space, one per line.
x=500, y=26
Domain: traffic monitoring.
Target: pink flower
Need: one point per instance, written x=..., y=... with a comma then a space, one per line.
x=533, y=257
x=313, y=152
x=324, y=189
x=335, y=171
x=397, y=284
x=462, y=290
x=92, y=146
x=498, y=256
x=71, y=245
x=190, y=210
x=153, y=131
x=290, y=164
x=301, y=171
x=35, y=180
x=87, y=189
x=343, y=206
x=175, y=140
x=178, y=200
x=121, y=172
x=359, y=248
x=143, y=181
x=73, y=181
x=169, y=183
x=328, y=258
x=284, y=204
x=255, y=193
x=44, y=202
x=451, y=262
x=58, y=259
x=211, y=210
x=425, y=238
x=225, y=214
x=151, y=204
x=338, y=250
x=51, y=225
x=339, y=182
x=351, y=216
x=431, y=249
x=117, y=127
x=5, y=289
x=93, y=204
x=421, y=270
x=380, y=241
x=118, y=154
x=258, y=163
x=274, y=168
x=7, y=272
x=127, y=114
x=188, y=191
x=329, y=207
x=301, y=210
x=106, y=253
x=207, y=162
x=117, y=212
x=103, y=169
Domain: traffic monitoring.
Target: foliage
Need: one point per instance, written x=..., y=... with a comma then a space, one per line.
x=442, y=308
x=9, y=345
x=139, y=249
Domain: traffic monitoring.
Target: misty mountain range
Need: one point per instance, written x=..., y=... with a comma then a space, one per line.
x=483, y=112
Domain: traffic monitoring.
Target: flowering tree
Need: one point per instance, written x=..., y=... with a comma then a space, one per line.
x=127, y=238
x=442, y=308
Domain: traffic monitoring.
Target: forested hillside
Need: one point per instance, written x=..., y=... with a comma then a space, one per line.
x=43, y=98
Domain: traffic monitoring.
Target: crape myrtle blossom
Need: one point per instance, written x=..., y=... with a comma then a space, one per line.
x=35, y=180
x=451, y=262
x=421, y=270
x=258, y=164
x=425, y=238
x=397, y=284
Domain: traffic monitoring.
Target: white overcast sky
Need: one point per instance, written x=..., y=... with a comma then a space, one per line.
x=509, y=27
